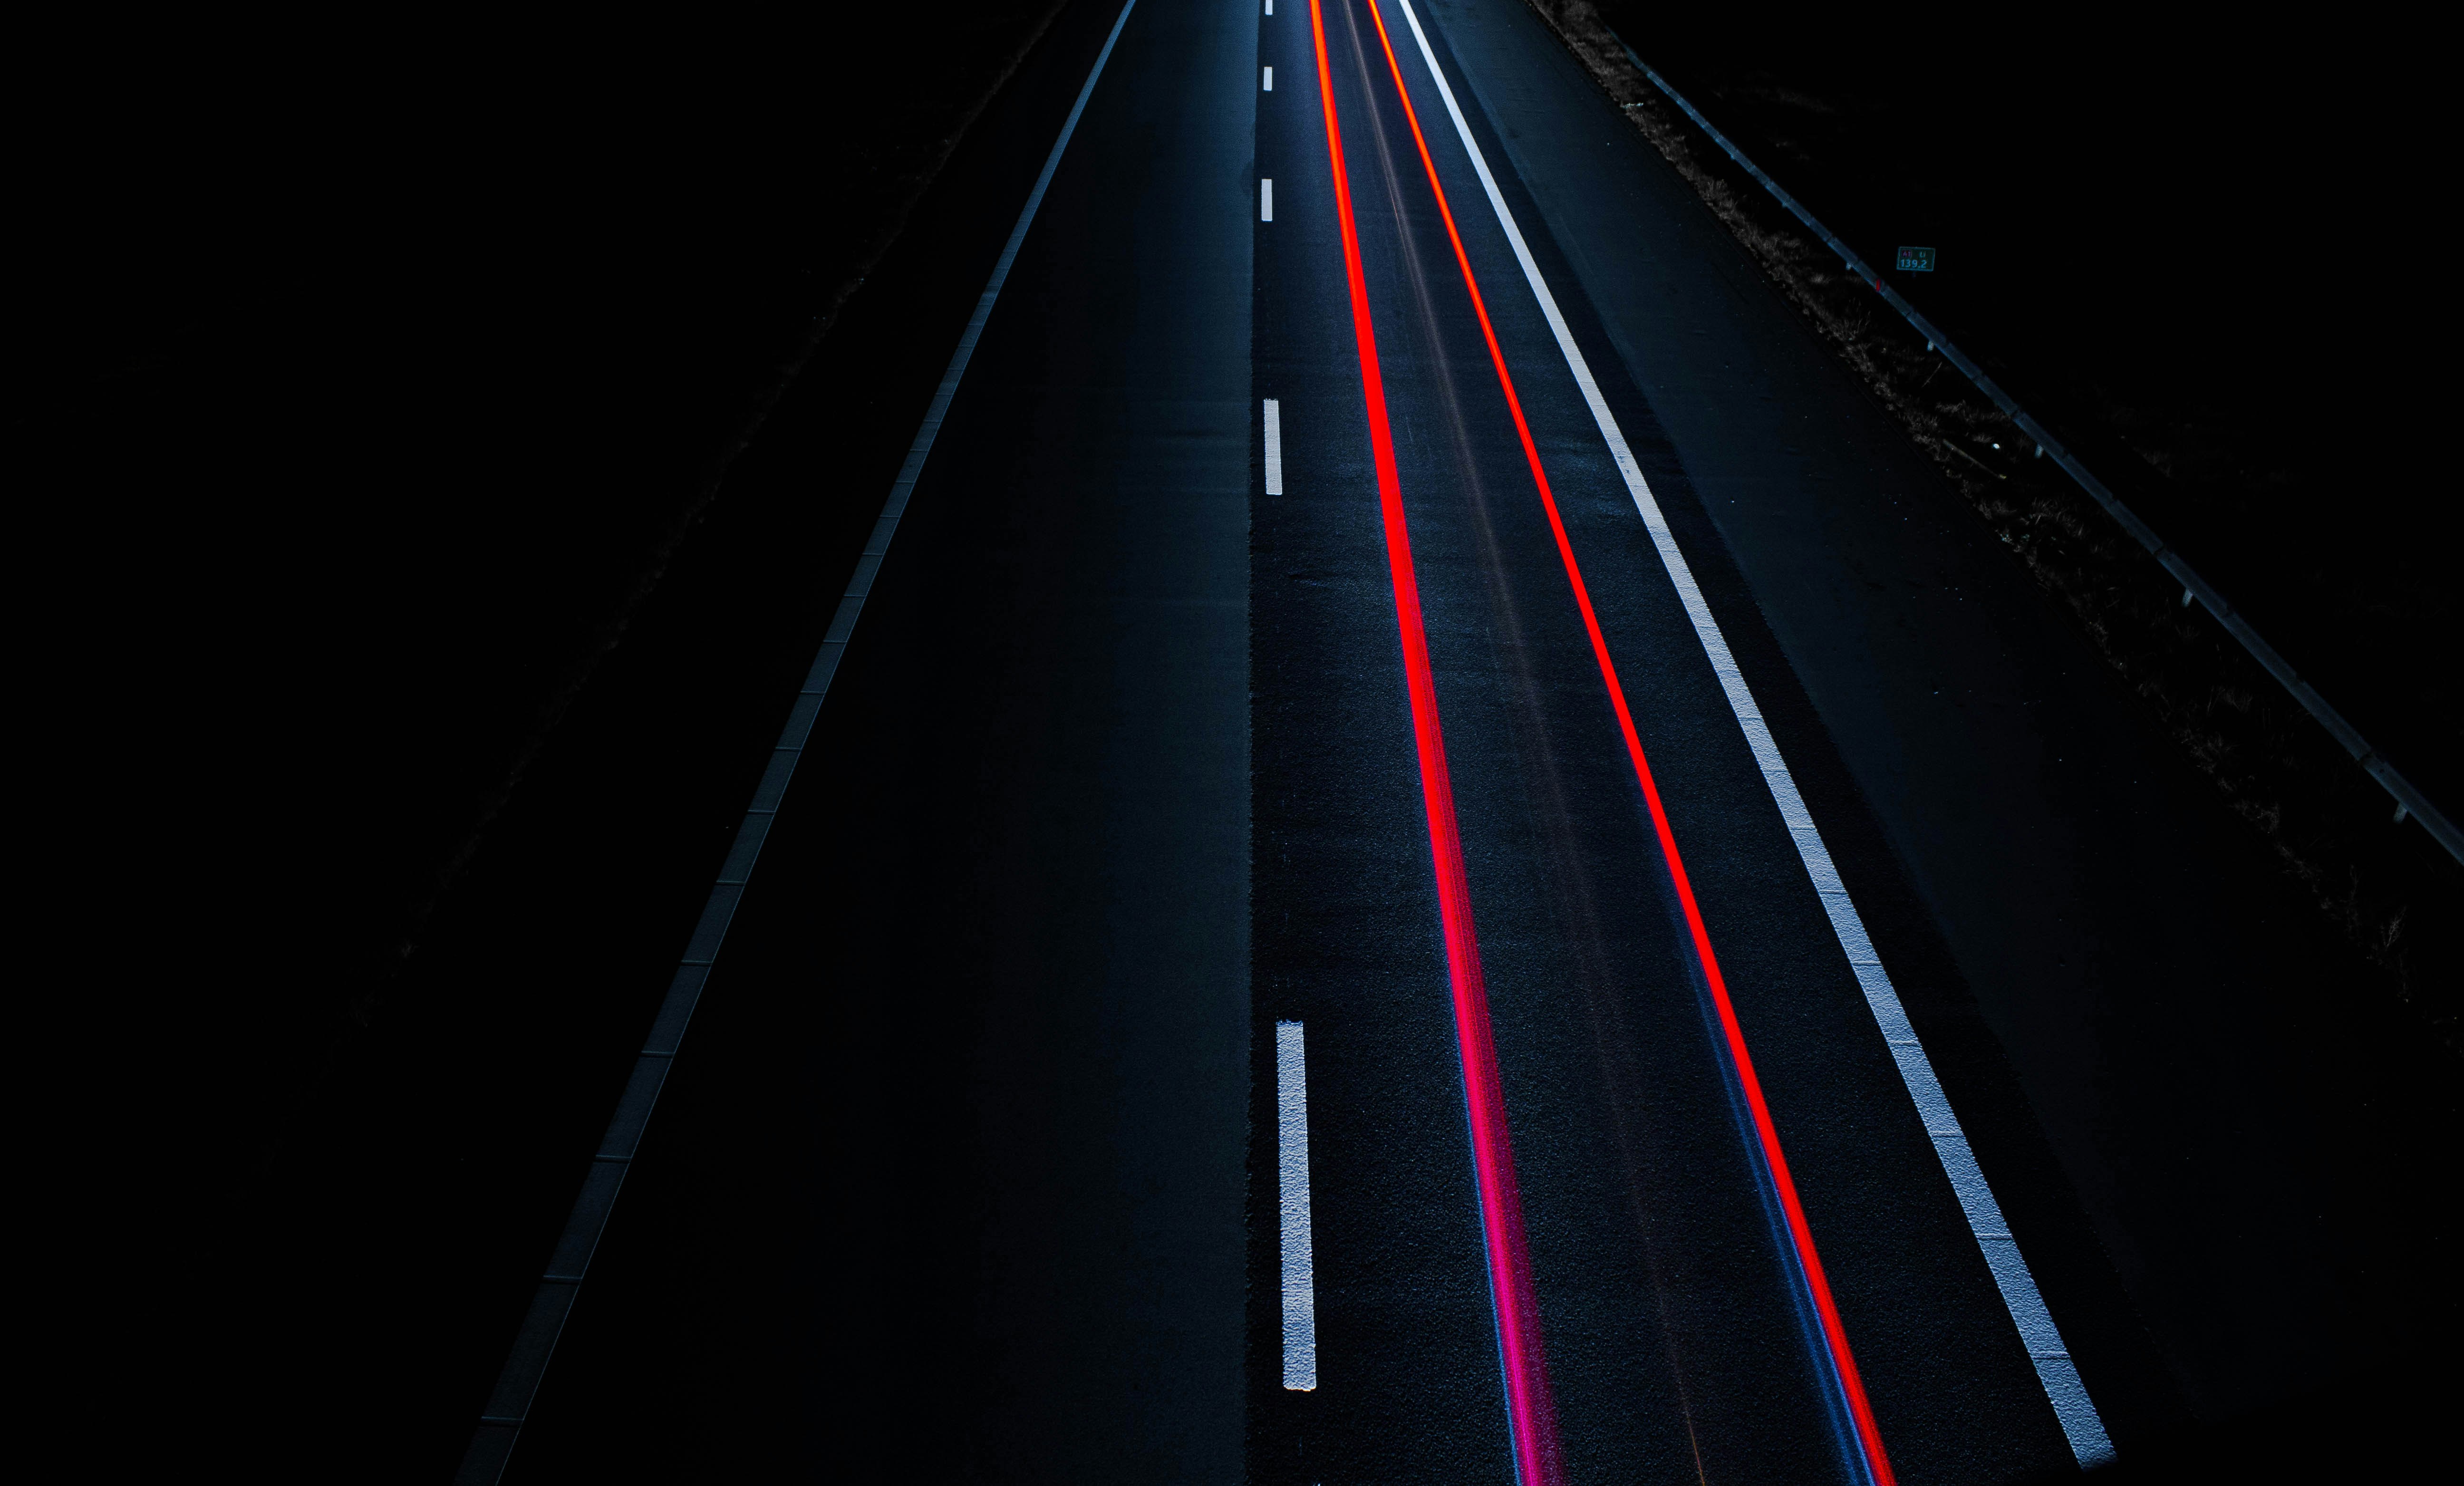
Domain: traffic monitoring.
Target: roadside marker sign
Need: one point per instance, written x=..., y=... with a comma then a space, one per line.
x=1916, y=261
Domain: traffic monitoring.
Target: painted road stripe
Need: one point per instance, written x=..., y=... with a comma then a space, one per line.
x=1270, y=80
x=1516, y=1308
x=2080, y=1422
x=1274, y=448
x=1265, y=200
x=508, y=1407
x=1292, y=1179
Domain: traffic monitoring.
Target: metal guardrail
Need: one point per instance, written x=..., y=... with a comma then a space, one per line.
x=2408, y=797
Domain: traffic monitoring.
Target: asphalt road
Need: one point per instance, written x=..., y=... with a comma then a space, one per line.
x=969, y=1167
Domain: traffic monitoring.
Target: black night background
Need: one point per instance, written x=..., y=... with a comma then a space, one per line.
x=438, y=441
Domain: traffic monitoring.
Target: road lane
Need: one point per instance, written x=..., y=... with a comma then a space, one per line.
x=2047, y=1350
x=949, y=1175
x=1514, y=1307
x=1407, y=1365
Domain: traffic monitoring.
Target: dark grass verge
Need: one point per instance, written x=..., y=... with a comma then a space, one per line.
x=2397, y=896
x=907, y=168
x=359, y=411
x=420, y=638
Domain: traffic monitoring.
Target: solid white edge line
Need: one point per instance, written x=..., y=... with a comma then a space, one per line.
x=1293, y=1181
x=1274, y=447
x=2081, y=1425
x=1265, y=200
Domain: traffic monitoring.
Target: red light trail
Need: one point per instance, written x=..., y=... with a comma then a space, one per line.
x=1531, y=1418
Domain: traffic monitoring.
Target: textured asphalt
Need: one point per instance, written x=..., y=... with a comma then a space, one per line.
x=966, y=1169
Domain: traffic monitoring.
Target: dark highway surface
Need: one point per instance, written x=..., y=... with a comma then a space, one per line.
x=1397, y=596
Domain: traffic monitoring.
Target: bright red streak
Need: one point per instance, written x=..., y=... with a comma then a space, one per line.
x=1501, y=1209
x=1869, y=1434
